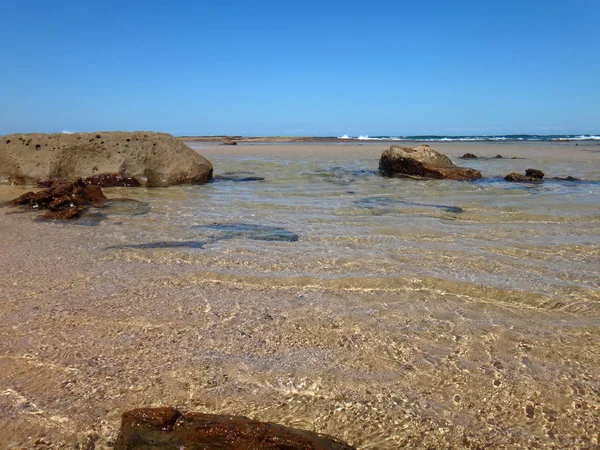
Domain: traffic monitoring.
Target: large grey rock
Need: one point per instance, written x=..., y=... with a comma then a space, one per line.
x=423, y=162
x=154, y=159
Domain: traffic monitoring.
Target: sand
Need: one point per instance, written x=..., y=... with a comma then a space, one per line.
x=87, y=333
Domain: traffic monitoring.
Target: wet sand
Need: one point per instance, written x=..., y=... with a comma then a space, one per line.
x=347, y=340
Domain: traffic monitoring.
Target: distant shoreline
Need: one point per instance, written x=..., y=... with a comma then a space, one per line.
x=258, y=139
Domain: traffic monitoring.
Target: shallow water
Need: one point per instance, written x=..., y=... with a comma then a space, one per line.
x=301, y=286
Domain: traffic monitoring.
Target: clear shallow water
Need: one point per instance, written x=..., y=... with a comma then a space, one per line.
x=348, y=222
x=388, y=312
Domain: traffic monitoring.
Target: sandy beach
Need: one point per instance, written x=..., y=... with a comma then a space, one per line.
x=389, y=313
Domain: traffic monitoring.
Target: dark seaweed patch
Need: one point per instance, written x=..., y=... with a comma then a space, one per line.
x=236, y=179
x=389, y=202
x=251, y=231
x=342, y=176
x=162, y=244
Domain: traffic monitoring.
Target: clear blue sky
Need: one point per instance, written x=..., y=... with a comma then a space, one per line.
x=301, y=67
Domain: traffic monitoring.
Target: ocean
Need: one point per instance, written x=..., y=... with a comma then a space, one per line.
x=480, y=138
x=302, y=287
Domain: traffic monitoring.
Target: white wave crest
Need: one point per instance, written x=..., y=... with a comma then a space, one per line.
x=583, y=137
x=66, y=132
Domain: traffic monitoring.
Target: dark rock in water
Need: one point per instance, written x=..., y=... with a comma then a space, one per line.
x=569, y=178
x=423, y=162
x=230, y=143
x=111, y=180
x=162, y=244
x=64, y=199
x=517, y=177
x=250, y=231
x=534, y=173
x=469, y=156
x=386, y=202
x=71, y=212
x=167, y=428
x=530, y=175
x=499, y=157
x=237, y=179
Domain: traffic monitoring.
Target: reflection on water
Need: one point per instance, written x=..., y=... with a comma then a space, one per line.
x=388, y=312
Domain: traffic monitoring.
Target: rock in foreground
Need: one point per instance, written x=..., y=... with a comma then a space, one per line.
x=167, y=428
x=423, y=162
x=153, y=159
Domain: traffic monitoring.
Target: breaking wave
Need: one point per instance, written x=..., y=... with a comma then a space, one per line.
x=508, y=137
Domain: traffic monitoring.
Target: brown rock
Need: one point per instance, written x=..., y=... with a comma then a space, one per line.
x=499, y=157
x=230, y=143
x=167, y=428
x=516, y=177
x=423, y=162
x=153, y=159
x=469, y=156
x=65, y=199
x=111, y=180
x=46, y=183
x=19, y=180
x=24, y=199
x=534, y=173
x=530, y=175
x=92, y=195
x=72, y=212
x=60, y=201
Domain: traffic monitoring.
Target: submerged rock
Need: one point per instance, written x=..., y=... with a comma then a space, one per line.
x=423, y=162
x=530, y=175
x=381, y=203
x=469, y=156
x=251, y=231
x=569, y=178
x=64, y=199
x=161, y=244
x=153, y=159
x=168, y=428
x=237, y=179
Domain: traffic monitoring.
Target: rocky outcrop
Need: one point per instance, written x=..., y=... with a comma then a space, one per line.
x=469, y=156
x=63, y=199
x=422, y=162
x=167, y=428
x=530, y=175
x=230, y=143
x=152, y=159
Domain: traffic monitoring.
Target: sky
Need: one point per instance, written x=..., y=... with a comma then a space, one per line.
x=320, y=68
